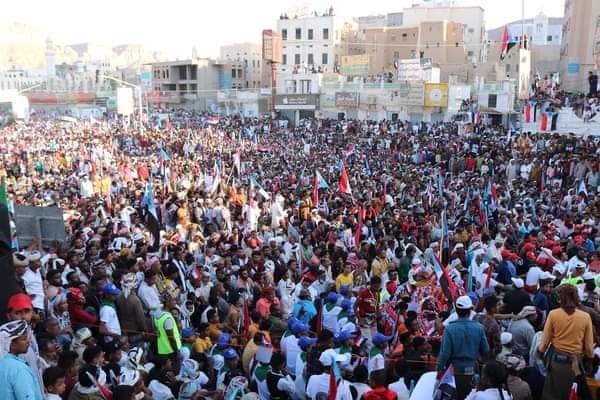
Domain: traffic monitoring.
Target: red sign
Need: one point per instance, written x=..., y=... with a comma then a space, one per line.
x=271, y=46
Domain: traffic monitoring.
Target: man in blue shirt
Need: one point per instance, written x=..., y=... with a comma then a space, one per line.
x=17, y=381
x=464, y=341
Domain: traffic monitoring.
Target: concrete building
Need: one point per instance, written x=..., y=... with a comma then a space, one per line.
x=310, y=42
x=245, y=60
x=439, y=41
x=579, y=49
x=541, y=30
x=192, y=83
x=471, y=17
x=379, y=21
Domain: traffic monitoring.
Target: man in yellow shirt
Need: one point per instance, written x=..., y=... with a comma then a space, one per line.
x=380, y=264
x=345, y=278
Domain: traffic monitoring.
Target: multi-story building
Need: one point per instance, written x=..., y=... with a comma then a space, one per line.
x=540, y=30
x=579, y=47
x=192, y=83
x=471, y=17
x=245, y=60
x=310, y=42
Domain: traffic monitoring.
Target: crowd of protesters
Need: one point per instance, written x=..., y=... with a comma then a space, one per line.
x=214, y=258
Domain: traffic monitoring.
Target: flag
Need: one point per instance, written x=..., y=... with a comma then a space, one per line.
x=527, y=112
x=3, y=197
x=544, y=123
x=322, y=183
x=163, y=155
x=506, y=44
x=315, y=191
x=344, y=184
x=582, y=189
x=573, y=392
x=440, y=184
x=447, y=284
x=151, y=216
x=108, y=202
x=358, y=231
x=259, y=189
x=429, y=193
x=334, y=375
x=367, y=166
x=237, y=161
x=213, y=120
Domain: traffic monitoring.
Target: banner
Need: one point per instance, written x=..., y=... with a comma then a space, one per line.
x=271, y=46
x=347, y=99
x=436, y=95
x=355, y=65
x=411, y=93
x=125, y=101
x=524, y=73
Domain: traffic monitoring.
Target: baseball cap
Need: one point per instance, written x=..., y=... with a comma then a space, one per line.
x=299, y=328
x=19, y=301
x=379, y=338
x=518, y=282
x=230, y=354
x=110, y=288
x=332, y=297
x=330, y=355
x=506, y=338
x=342, y=336
x=464, y=303
x=344, y=289
x=306, y=341
x=223, y=340
x=187, y=332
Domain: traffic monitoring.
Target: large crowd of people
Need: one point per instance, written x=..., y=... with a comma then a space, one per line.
x=225, y=258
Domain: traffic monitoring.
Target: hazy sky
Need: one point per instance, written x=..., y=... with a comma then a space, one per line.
x=177, y=25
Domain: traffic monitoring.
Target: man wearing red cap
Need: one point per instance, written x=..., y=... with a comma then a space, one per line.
x=20, y=308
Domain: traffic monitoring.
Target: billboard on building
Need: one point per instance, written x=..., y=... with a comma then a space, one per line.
x=524, y=73
x=436, y=95
x=327, y=101
x=411, y=93
x=355, y=65
x=347, y=99
x=271, y=46
x=125, y=101
x=296, y=101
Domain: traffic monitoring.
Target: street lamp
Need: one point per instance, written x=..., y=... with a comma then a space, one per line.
x=137, y=88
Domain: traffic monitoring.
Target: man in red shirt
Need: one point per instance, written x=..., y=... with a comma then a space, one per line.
x=369, y=302
x=263, y=305
x=379, y=391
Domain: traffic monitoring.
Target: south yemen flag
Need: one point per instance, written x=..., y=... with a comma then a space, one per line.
x=506, y=44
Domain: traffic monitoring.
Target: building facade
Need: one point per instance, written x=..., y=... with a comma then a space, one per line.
x=579, y=47
x=245, y=61
x=541, y=31
x=311, y=42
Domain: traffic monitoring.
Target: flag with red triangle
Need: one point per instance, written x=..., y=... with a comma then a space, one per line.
x=344, y=184
x=506, y=44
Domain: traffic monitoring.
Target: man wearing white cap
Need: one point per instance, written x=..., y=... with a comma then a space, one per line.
x=320, y=383
x=34, y=284
x=518, y=298
x=464, y=341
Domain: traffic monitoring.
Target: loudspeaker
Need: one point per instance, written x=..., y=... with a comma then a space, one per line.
x=8, y=282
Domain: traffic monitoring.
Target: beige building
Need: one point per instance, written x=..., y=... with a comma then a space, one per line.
x=441, y=41
x=245, y=60
x=580, y=46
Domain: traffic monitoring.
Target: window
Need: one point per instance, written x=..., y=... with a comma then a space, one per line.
x=325, y=59
x=507, y=68
x=284, y=34
x=471, y=30
x=234, y=73
x=404, y=35
x=549, y=38
x=396, y=55
x=539, y=27
x=257, y=63
x=325, y=34
x=310, y=34
x=297, y=59
x=284, y=59
x=298, y=33
x=470, y=53
x=492, y=100
x=311, y=59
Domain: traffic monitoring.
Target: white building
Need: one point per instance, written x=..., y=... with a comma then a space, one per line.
x=21, y=79
x=310, y=41
x=541, y=30
x=246, y=64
